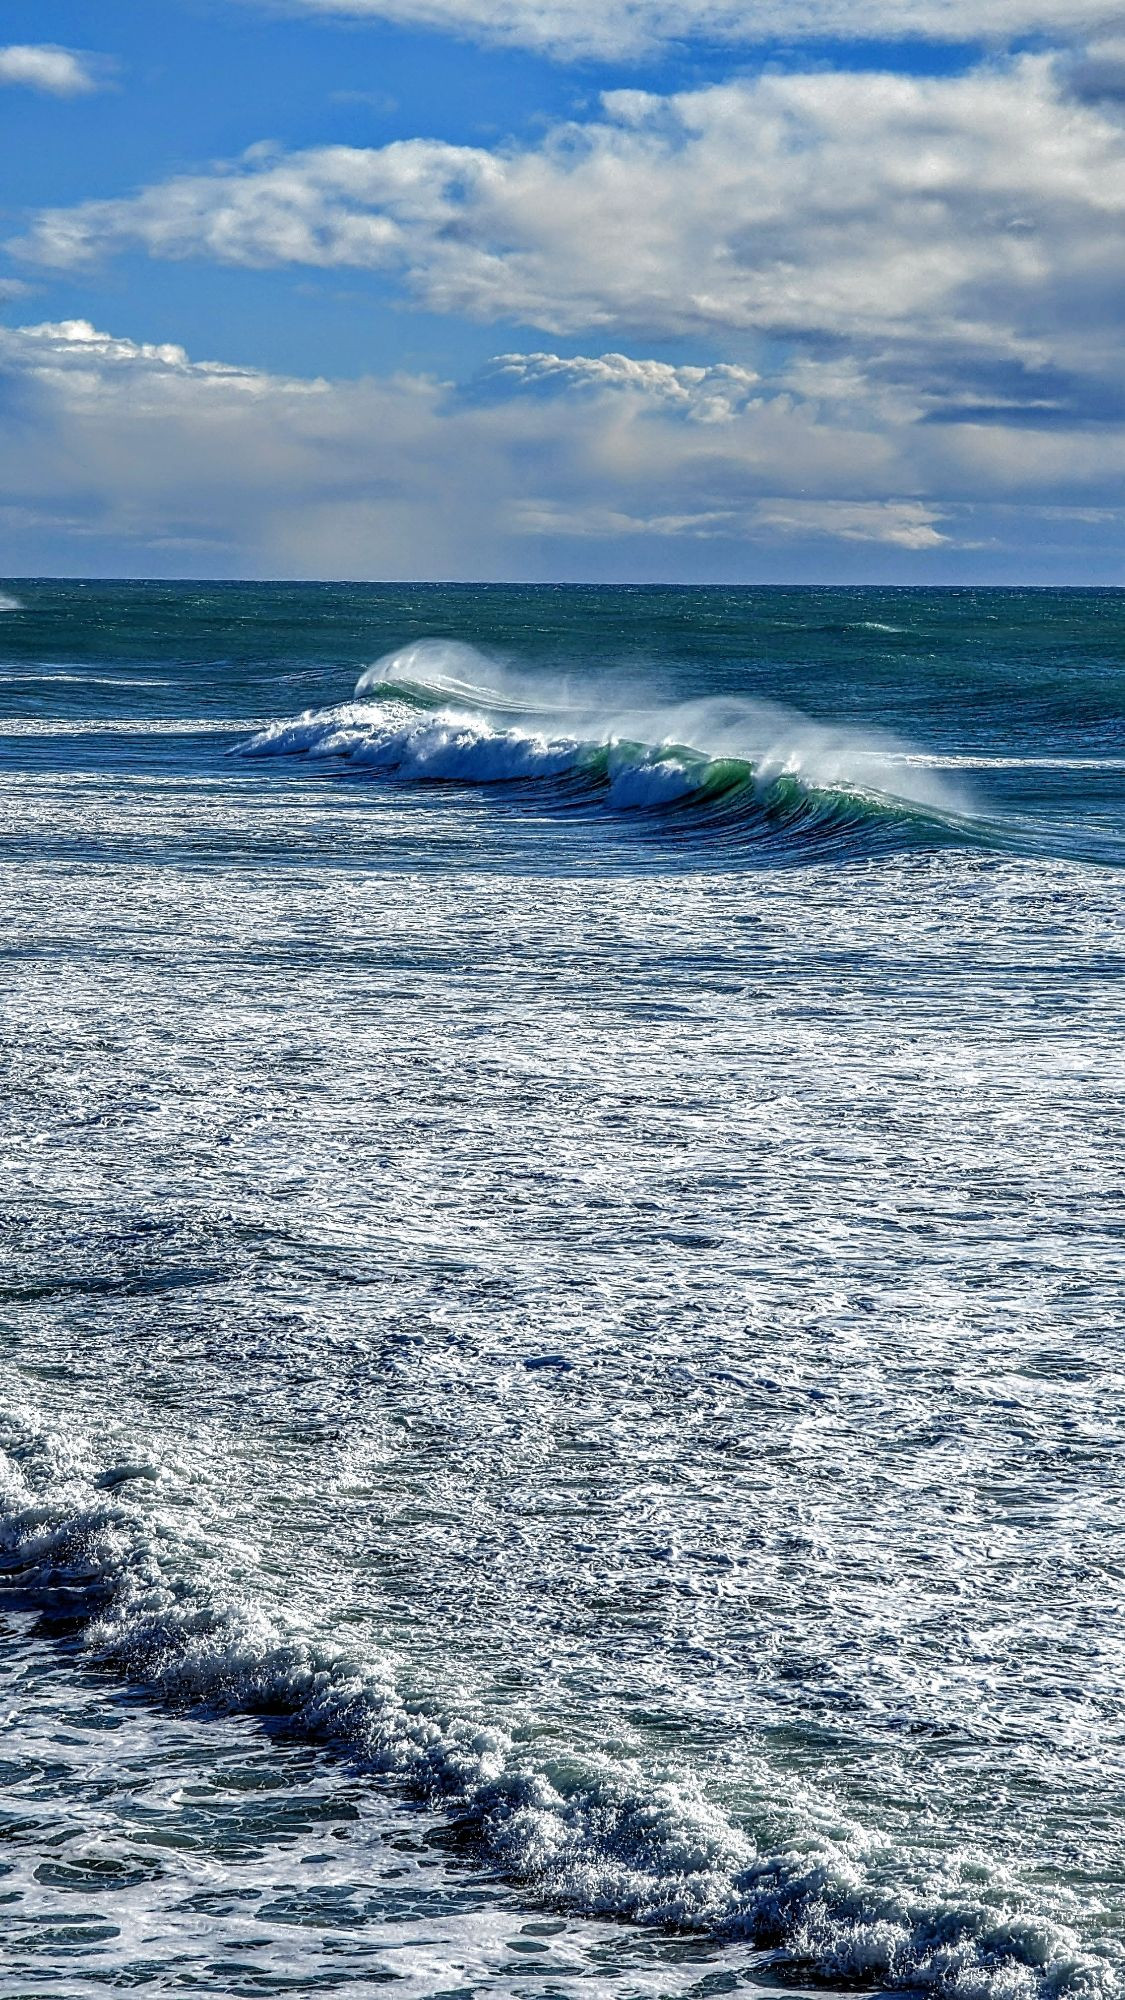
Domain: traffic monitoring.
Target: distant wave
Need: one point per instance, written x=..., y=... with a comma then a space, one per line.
x=441, y=713
x=9, y=603
x=79, y=680
x=591, y=1836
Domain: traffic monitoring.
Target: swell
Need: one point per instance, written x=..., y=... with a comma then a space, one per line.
x=416, y=721
x=135, y=1589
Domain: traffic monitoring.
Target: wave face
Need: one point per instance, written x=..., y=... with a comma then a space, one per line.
x=747, y=773
x=584, y=1833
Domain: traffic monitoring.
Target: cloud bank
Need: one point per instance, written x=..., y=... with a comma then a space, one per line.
x=125, y=457
x=59, y=72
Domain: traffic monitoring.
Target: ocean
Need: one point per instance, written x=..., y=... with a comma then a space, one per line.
x=561, y=1311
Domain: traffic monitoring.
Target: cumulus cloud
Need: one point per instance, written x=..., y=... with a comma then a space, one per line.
x=60, y=72
x=119, y=456
x=77, y=356
x=608, y=28
x=961, y=235
x=704, y=395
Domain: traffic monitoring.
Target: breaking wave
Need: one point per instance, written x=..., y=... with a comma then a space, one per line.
x=138, y=1591
x=442, y=713
x=8, y=603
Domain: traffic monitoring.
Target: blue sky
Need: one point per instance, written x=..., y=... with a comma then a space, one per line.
x=563, y=288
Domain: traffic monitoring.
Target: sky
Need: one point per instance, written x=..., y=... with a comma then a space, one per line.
x=739, y=291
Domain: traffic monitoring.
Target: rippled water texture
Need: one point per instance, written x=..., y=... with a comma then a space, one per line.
x=561, y=1304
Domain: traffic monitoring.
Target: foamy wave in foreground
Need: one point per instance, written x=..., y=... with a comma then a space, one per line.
x=590, y=1836
x=8, y=603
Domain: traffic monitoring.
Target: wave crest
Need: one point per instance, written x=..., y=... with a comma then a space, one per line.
x=440, y=713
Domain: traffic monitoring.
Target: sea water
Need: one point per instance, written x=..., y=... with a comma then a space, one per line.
x=562, y=1326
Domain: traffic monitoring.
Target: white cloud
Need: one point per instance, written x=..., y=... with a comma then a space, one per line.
x=607, y=28
x=703, y=395
x=60, y=72
x=79, y=359
x=597, y=522
x=905, y=524
x=118, y=456
x=961, y=235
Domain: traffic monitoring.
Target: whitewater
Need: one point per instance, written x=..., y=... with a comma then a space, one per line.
x=562, y=1332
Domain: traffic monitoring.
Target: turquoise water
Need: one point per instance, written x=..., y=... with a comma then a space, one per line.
x=561, y=1308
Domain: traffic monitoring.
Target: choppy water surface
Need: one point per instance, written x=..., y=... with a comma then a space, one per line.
x=561, y=1304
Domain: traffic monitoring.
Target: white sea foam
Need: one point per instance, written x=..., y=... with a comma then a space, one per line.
x=9, y=603
x=447, y=746
x=456, y=747
x=121, y=725
x=658, y=1321
x=963, y=761
x=592, y=1835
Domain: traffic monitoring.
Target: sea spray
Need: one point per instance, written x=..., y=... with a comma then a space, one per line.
x=749, y=731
